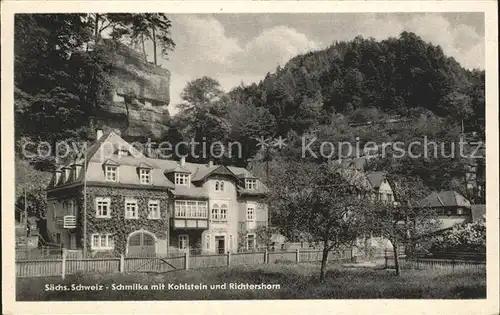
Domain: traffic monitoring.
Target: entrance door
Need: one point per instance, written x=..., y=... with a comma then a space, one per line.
x=141, y=244
x=220, y=244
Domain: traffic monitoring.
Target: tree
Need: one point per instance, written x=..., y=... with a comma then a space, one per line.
x=321, y=202
x=463, y=237
x=201, y=92
x=404, y=220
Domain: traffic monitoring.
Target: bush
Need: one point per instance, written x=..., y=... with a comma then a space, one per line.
x=469, y=237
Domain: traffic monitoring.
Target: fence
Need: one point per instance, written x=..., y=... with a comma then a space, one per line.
x=43, y=253
x=456, y=262
x=66, y=266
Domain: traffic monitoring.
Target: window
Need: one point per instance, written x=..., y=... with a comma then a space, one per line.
x=250, y=241
x=182, y=179
x=219, y=185
x=250, y=213
x=102, y=241
x=251, y=184
x=223, y=213
x=460, y=211
x=103, y=207
x=215, y=212
x=191, y=209
x=111, y=173
x=183, y=241
x=154, y=210
x=219, y=213
x=145, y=176
x=389, y=197
x=131, y=211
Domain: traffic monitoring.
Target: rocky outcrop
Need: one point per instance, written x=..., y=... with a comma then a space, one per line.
x=139, y=98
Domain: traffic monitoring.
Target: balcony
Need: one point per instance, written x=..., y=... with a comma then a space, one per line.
x=66, y=222
x=189, y=223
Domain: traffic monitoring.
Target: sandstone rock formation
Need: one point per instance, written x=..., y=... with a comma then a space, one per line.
x=140, y=95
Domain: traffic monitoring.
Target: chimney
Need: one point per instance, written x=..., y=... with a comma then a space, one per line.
x=183, y=160
x=99, y=134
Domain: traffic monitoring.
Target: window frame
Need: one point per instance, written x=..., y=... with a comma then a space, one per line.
x=254, y=239
x=108, y=168
x=251, y=184
x=219, y=185
x=145, y=171
x=125, y=205
x=181, y=206
x=251, y=207
x=108, y=240
x=182, y=179
x=107, y=200
x=216, y=213
x=154, y=202
x=184, y=237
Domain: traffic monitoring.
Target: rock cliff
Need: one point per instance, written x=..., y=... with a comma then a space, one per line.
x=139, y=97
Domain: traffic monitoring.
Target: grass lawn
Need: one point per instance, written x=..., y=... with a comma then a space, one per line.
x=295, y=281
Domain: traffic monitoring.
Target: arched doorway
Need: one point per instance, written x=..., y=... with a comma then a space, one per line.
x=141, y=244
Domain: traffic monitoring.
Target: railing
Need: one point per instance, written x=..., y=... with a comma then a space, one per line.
x=185, y=261
x=69, y=221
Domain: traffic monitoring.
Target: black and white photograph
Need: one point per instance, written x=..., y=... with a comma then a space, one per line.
x=170, y=156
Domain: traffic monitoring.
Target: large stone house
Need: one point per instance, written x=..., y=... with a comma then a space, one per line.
x=114, y=199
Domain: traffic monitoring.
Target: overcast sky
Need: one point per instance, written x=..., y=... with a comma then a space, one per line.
x=235, y=48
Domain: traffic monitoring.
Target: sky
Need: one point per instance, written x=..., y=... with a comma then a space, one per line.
x=242, y=48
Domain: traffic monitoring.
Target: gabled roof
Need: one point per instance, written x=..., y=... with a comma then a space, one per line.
x=354, y=177
x=178, y=169
x=448, y=198
x=144, y=165
x=105, y=149
x=110, y=162
x=376, y=178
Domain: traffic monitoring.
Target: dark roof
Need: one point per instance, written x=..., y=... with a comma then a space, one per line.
x=128, y=169
x=376, y=178
x=448, y=198
x=478, y=212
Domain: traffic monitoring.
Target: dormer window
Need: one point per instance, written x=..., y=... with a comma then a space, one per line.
x=145, y=176
x=251, y=184
x=111, y=173
x=181, y=179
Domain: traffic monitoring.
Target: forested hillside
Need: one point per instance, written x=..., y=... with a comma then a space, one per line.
x=399, y=89
x=364, y=78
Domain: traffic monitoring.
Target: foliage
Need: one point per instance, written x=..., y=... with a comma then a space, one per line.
x=320, y=202
x=404, y=220
x=31, y=182
x=462, y=238
x=117, y=224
